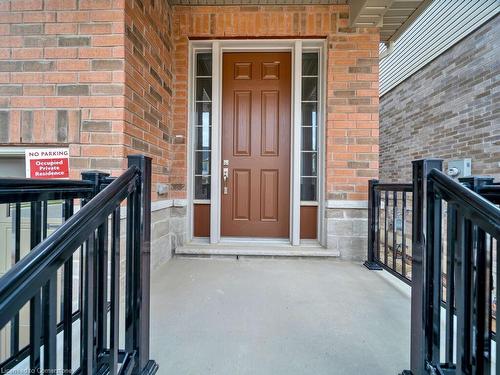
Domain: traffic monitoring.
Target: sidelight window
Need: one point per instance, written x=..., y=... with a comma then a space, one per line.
x=309, y=147
x=202, y=125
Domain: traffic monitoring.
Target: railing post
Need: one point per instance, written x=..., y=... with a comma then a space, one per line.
x=420, y=293
x=142, y=250
x=373, y=209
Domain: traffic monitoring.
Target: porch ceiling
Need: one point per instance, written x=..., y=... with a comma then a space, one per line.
x=392, y=16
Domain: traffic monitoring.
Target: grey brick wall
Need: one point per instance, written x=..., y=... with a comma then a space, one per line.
x=449, y=109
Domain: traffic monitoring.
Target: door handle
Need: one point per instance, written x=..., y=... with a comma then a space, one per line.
x=225, y=177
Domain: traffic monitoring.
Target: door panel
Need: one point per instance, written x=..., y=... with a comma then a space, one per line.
x=242, y=197
x=256, y=100
x=242, y=122
x=271, y=70
x=270, y=123
x=242, y=70
x=269, y=192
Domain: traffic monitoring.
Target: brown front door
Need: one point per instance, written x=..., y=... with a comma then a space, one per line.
x=256, y=90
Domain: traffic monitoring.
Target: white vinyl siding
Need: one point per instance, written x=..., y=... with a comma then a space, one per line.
x=439, y=27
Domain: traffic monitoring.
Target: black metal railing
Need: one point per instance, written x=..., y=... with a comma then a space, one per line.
x=31, y=206
x=472, y=232
x=445, y=246
x=389, y=220
x=45, y=277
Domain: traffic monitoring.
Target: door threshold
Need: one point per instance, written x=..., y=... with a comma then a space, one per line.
x=253, y=248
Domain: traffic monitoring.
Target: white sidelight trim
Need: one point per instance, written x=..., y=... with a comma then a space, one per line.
x=322, y=122
x=296, y=142
x=190, y=143
x=215, y=178
x=218, y=47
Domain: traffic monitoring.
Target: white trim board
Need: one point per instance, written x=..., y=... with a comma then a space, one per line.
x=14, y=151
x=167, y=203
x=347, y=204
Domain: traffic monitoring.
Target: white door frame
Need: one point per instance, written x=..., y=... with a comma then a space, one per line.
x=218, y=47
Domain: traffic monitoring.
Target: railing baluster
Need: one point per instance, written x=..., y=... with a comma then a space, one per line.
x=377, y=223
x=137, y=274
x=36, y=302
x=14, y=324
x=394, y=232
x=115, y=292
x=377, y=228
x=450, y=281
x=493, y=255
x=81, y=278
x=433, y=249
x=403, y=234
x=386, y=205
x=81, y=268
x=35, y=225
x=459, y=289
x=102, y=285
x=50, y=323
x=481, y=303
x=497, y=311
x=463, y=265
x=87, y=310
x=35, y=331
x=45, y=221
x=67, y=313
x=129, y=276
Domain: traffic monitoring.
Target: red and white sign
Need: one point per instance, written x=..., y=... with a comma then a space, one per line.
x=47, y=163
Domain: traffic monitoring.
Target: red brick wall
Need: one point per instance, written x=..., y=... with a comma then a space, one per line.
x=109, y=78
x=61, y=78
x=352, y=122
x=149, y=75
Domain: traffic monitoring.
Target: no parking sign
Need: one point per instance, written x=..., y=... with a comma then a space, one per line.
x=47, y=163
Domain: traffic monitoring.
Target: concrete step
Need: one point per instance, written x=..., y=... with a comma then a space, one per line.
x=255, y=250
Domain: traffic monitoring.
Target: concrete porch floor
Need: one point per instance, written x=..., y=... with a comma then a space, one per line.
x=276, y=316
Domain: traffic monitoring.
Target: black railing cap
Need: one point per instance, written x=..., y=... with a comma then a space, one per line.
x=426, y=159
x=393, y=187
x=94, y=171
x=476, y=178
x=139, y=156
